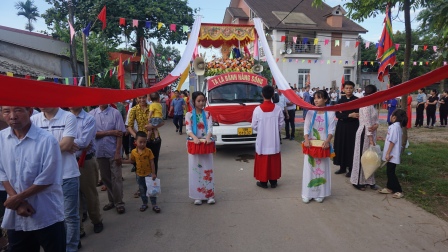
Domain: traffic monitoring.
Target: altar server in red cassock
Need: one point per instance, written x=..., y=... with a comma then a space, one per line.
x=267, y=119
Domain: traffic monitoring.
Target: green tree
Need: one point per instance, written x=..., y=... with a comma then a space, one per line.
x=163, y=11
x=418, y=38
x=359, y=10
x=433, y=23
x=29, y=11
x=166, y=59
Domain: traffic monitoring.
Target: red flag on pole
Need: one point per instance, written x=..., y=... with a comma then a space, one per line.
x=102, y=17
x=386, y=48
x=121, y=73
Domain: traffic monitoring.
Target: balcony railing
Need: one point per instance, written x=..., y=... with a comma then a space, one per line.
x=291, y=48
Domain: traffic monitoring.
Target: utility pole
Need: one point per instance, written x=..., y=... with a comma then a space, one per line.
x=73, y=59
x=86, y=59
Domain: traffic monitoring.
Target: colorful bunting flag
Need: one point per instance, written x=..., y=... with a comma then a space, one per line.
x=184, y=28
x=173, y=27
x=367, y=44
x=80, y=81
x=294, y=39
x=159, y=25
x=316, y=41
x=75, y=81
x=397, y=46
x=134, y=23
x=9, y=74
x=122, y=22
x=415, y=47
x=66, y=81
x=72, y=32
x=305, y=40
x=347, y=43
x=148, y=24
x=56, y=80
x=102, y=17
x=434, y=48
x=327, y=41
x=283, y=39
x=356, y=44
x=425, y=47
x=336, y=42
x=86, y=30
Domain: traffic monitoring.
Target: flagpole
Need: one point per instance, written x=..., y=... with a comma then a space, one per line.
x=86, y=60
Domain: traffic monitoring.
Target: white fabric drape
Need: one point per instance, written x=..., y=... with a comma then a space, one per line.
x=188, y=53
x=280, y=80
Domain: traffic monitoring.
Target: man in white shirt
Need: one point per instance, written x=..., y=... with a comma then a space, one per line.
x=267, y=118
x=62, y=125
x=359, y=93
x=31, y=172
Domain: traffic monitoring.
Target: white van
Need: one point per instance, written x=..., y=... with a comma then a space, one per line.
x=231, y=100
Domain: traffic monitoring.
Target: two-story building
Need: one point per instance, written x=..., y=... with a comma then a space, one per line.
x=315, y=45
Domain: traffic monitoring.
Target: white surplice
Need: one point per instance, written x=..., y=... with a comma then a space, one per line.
x=316, y=182
x=267, y=125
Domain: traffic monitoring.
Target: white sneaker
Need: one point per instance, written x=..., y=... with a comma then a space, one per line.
x=319, y=200
x=211, y=201
x=198, y=202
x=305, y=200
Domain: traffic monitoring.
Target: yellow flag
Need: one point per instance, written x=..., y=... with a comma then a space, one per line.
x=9, y=74
x=159, y=25
x=183, y=77
x=316, y=40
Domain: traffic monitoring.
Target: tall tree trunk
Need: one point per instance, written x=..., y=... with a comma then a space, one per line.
x=73, y=58
x=29, y=25
x=407, y=59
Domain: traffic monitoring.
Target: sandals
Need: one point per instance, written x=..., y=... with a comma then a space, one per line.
x=143, y=208
x=360, y=187
x=156, y=209
x=385, y=191
x=108, y=207
x=120, y=209
x=398, y=195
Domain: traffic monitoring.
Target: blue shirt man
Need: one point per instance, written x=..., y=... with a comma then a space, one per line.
x=178, y=105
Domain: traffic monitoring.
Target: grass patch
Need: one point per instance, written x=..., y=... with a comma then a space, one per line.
x=423, y=175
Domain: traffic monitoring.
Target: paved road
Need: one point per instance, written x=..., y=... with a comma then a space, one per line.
x=248, y=218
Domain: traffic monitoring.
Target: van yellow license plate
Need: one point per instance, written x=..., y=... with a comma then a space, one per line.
x=244, y=131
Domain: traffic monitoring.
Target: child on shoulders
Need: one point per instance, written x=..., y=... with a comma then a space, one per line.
x=155, y=115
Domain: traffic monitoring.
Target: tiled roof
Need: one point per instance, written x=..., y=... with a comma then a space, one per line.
x=237, y=12
x=265, y=8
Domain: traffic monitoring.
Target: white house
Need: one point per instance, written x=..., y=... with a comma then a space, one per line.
x=312, y=45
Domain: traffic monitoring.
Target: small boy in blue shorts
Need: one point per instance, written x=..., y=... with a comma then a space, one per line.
x=143, y=159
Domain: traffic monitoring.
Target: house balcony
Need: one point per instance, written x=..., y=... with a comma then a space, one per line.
x=292, y=50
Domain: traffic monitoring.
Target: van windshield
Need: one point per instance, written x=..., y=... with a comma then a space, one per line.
x=235, y=93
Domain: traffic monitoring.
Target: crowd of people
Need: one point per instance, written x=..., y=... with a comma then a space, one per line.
x=57, y=157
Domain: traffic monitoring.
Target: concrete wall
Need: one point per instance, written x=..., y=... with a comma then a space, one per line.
x=42, y=60
x=322, y=74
